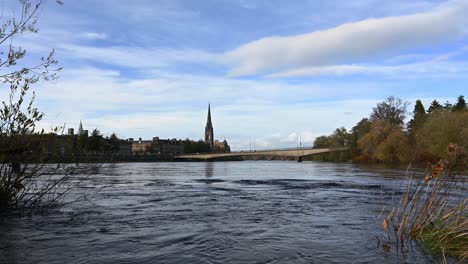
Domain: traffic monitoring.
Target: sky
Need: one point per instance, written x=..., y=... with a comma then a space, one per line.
x=271, y=69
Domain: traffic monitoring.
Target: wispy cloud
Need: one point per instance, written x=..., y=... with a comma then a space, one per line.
x=352, y=42
x=426, y=69
x=94, y=35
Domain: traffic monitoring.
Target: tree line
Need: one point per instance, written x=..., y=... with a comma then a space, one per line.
x=384, y=136
x=96, y=143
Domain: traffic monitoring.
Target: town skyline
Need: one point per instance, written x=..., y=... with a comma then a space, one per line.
x=154, y=71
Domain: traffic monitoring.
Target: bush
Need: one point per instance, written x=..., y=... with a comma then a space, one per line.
x=440, y=129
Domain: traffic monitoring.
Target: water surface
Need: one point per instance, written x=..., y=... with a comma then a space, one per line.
x=222, y=212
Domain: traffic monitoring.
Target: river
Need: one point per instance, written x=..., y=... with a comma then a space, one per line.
x=215, y=212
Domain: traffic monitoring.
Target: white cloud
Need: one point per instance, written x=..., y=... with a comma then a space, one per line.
x=174, y=105
x=435, y=68
x=352, y=42
x=94, y=36
x=323, y=70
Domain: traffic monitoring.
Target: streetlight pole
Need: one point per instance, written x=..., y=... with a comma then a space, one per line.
x=300, y=140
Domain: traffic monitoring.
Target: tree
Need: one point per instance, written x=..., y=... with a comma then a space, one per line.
x=379, y=131
x=322, y=142
x=82, y=143
x=95, y=141
x=357, y=132
x=448, y=106
x=419, y=113
x=460, y=106
x=114, y=143
x=395, y=148
x=339, y=138
x=24, y=151
x=441, y=129
x=196, y=146
x=419, y=116
x=435, y=105
x=392, y=109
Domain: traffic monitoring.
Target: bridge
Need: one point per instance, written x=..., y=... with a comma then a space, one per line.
x=296, y=154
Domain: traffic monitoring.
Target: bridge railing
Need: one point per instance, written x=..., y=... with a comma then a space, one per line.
x=263, y=150
x=268, y=150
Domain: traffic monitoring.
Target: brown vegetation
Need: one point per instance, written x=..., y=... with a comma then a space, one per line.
x=433, y=210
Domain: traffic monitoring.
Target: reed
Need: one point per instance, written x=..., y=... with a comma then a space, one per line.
x=433, y=210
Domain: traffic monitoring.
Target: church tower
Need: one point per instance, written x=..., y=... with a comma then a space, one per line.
x=209, y=137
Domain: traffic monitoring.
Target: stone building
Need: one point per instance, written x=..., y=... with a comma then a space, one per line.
x=158, y=146
x=142, y=146
x=222, y=146
x=125, y=147
x=168, y=146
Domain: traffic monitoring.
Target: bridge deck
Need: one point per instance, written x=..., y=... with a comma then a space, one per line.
x=294, y=153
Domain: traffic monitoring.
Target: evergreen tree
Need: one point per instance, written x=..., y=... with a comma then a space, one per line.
x=419, y=116
x=448, y=106
x=114, y=143
x=435, y=105
x=460, y=106
x=95, y=141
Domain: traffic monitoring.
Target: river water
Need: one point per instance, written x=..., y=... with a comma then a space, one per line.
x=219, y=212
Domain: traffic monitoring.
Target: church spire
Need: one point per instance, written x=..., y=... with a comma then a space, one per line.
x=208, y=120
x=209, y=136
x=80, y=129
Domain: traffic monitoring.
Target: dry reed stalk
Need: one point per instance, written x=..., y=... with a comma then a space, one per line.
x=433, y=210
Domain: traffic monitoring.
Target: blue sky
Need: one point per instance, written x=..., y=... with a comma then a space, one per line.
x=271, y=69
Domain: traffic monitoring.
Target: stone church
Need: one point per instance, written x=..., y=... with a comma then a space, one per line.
x=215, y=145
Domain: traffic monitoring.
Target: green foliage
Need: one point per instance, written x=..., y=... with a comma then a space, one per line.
x=340, y=138
x=433, y=210
x=322, y=142
x=435, y=106
x=338, y=156
x=382, y=137
x=448, y=106
x=444, y=242
x=419, y=116
x=394, y=148
x=114, y=143
x=442, y=128
x=95, y=141
x=460, y=106
x=358, y=131
x=82, y=143
x=196, y=146
x=379, y=131
x=392, y=110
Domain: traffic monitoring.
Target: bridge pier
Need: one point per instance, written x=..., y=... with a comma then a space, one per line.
x=299, y=159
